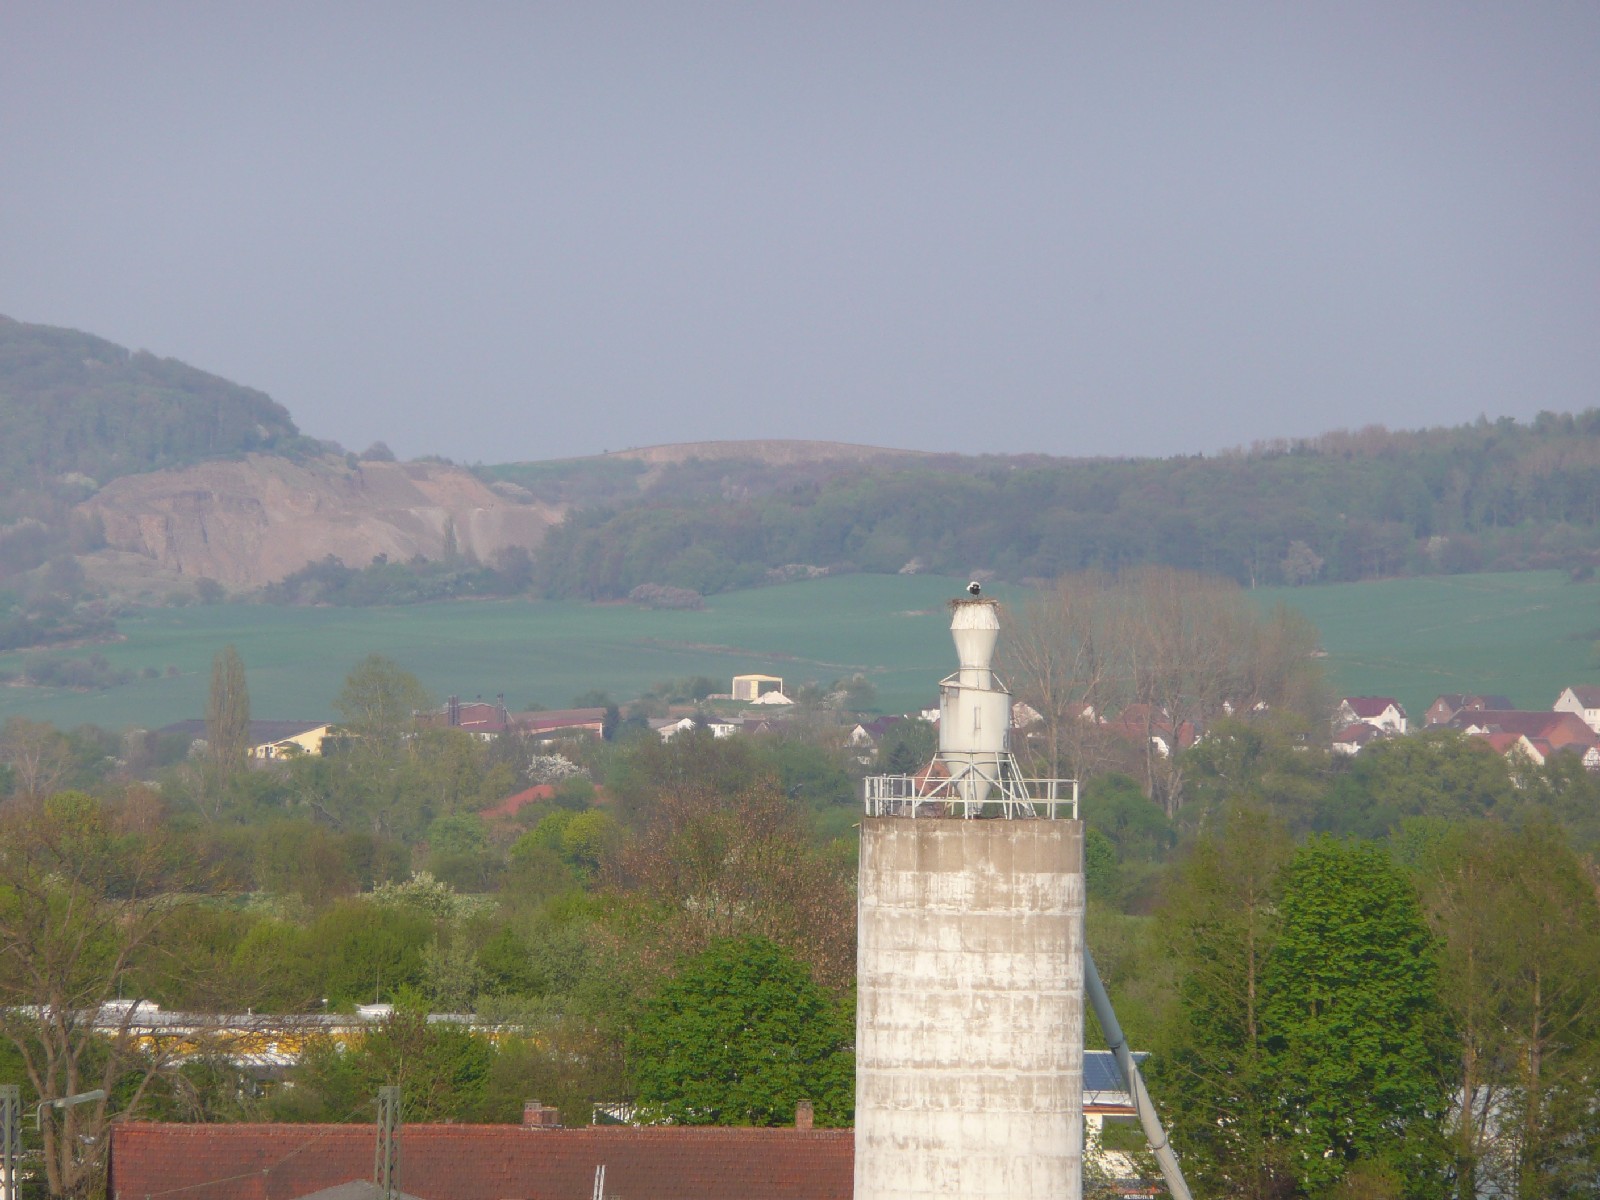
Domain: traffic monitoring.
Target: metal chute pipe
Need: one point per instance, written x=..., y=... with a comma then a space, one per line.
x=1154, y=1134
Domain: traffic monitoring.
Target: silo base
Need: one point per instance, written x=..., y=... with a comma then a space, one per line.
x=969, y=1025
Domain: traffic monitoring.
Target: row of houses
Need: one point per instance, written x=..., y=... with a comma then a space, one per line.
x=1569, y=726
x=276, y=740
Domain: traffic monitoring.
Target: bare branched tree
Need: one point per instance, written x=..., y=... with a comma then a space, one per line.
x=38, y=755
x=1144, y=662
x=82, y=896
x=1064, y=655
x=741, y=865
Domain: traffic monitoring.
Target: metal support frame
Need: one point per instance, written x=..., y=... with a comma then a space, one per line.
x=1011, y=795
x=386, y=1161
x=1153, y=1132
x=10, y=1138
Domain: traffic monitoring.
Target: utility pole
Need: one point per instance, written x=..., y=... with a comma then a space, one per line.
x=386, y=1163
x=10, y=1138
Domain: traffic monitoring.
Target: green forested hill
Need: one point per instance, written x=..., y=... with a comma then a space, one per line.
x=74, y=403
x=1341, y=507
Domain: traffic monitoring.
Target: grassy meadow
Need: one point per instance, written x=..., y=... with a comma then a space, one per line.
x=1526, y=634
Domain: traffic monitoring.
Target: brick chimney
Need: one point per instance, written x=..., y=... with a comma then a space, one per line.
x=803, y=1115
x=540, y=1116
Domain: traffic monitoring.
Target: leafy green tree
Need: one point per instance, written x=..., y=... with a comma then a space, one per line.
x=1100, y=875
x=1435, y=773
x=1275, y=764
x=1213, y=1073
x=441, y=1069
x=907, y=746
x=377, y=708
x=362, y=953
x=305, y=859
x=1520, y=926
x=379, y=701
x=738, y=1037
x=588, y=839
x=1353, y=1021
x=1116, y=805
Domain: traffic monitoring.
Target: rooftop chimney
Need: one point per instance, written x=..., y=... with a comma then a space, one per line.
x=540, y=1116
x=803, y=1115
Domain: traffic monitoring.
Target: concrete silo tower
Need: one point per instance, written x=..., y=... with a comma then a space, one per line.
x=969, y=1033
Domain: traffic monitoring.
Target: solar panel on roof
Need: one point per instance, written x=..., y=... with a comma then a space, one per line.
x=1100, y=1073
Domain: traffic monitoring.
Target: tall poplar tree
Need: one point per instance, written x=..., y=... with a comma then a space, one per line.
x=228, y=712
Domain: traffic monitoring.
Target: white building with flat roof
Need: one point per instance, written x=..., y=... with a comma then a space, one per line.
x=751, y=688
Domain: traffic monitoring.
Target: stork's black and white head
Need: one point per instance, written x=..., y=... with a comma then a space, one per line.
x=974, y=588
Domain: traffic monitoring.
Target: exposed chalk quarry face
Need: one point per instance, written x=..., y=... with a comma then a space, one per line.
x=250, y=522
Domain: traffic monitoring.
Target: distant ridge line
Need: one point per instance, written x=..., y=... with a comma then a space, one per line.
x=765, y=449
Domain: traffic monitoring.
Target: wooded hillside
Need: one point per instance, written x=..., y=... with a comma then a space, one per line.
x=1343, y=506
x=72, y=402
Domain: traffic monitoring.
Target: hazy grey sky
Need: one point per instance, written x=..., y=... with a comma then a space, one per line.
x=503, y=231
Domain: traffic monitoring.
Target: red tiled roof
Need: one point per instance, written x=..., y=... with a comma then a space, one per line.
x=1358, y=734
x=1558, y=728
x=482, y=1162
x=1501, y=743
x=511, y=805
x=550, y=720
x=1372, y=706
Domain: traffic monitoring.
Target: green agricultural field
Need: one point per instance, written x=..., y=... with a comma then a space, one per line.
x=1525, y=635
x=892, y=627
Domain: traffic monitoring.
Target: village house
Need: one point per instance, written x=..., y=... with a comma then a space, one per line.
x=1558, y=729
x=288, y=739
x=1448, y=705
x=1381, y=712
x=1582, y=700
x=477, y=717
x=1137, y=722
x=560, y=722
x=1537, y=751
x=670, y=727
x=1355, y=737
x=266, y=739
x=865, y=735
x=538, y=1159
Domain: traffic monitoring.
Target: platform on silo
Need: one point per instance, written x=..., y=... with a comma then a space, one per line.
x=969, y=1029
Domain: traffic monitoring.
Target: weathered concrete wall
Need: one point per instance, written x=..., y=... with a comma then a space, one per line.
x=969, y=1026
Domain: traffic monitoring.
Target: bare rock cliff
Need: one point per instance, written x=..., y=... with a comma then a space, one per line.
x=251, y=522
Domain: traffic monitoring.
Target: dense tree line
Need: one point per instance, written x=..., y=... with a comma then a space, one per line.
x=382, y=582
x=1344, y=506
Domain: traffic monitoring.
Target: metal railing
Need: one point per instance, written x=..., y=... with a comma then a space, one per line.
x=1004, y=795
